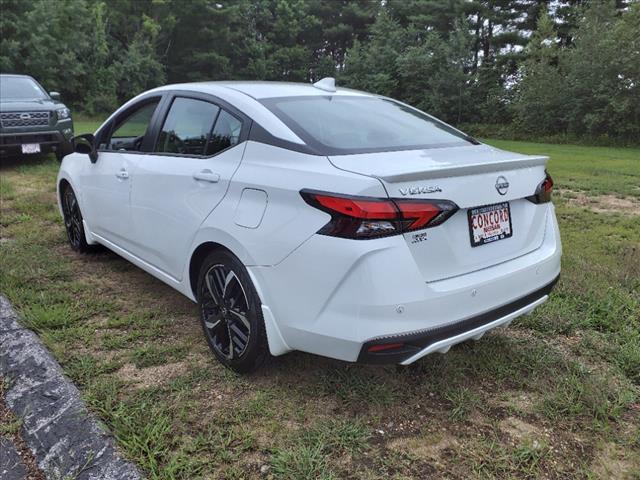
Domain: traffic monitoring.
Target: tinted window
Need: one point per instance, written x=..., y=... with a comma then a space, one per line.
x=20, y=88
x=130, y=132
x=226, y=133
x=187, y=127
x=350, y=124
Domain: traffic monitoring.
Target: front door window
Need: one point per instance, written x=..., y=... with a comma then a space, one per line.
x=129, y=132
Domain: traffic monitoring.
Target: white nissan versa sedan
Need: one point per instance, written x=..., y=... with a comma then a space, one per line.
x=305, y=217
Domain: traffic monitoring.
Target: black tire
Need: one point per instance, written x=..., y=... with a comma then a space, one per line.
x=231, y=313
x=73, y=220
x=62, y=151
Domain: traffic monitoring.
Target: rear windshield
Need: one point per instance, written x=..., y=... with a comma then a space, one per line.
x=343, y=124
x=20, y=88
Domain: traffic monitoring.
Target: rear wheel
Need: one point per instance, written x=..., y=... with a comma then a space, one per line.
x=231, y=313
x=73, y=221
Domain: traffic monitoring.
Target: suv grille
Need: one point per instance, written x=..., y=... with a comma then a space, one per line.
x=24, y=119
x=27, y=138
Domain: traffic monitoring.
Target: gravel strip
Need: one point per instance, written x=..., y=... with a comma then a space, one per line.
x=66, y=441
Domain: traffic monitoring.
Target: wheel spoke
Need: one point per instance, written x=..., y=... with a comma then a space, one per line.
x=240, y=316
x=220, y=337
x=207, y=302
x=214, y=295
x=218, y=277
x=65, y=206
x=238, y=336
x=212, y=325
x=230, y=276
x=234, y=294
x=230, y=341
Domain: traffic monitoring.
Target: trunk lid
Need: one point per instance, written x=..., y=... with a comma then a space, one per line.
x=470, y=176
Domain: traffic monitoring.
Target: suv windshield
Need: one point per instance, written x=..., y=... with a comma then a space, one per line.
x=20, y=88
x=342, y=124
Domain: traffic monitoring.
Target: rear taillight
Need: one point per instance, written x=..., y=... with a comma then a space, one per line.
x=543, y=191
x=365, y=217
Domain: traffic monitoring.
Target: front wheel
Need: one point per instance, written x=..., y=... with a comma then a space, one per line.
x=73, y=221
x=231, y=313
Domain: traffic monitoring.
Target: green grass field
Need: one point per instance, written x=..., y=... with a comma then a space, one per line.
x=553, y=396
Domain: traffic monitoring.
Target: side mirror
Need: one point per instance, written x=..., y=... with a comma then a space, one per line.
x=55, y=95
x=85, y=144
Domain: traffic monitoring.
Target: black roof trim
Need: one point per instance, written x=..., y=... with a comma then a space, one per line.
x=261, y=135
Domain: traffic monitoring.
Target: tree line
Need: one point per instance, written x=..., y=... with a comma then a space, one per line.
x=528, y=68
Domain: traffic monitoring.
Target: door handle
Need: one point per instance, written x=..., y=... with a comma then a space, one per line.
x=207, y=175
x=122, y=174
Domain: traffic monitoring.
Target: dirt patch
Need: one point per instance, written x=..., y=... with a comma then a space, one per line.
x=151, y=376
x=602, y=203
x=519, y=429
x=428, y=447
x=611, y=462
x=113, y=276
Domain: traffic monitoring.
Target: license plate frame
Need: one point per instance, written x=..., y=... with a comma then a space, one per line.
x=31, y=148
x=477, y=239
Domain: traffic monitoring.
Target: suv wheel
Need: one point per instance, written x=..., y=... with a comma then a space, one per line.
x=62, y=151
x=231, y=313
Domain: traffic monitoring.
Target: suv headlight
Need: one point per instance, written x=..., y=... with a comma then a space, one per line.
x=63, y=113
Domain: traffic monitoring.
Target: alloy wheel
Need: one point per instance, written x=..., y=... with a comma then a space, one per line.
x=225, y=309
x=72, y=218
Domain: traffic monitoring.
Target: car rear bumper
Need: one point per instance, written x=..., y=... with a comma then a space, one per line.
x=49, y=141
x=440, y=339
x=337, y=297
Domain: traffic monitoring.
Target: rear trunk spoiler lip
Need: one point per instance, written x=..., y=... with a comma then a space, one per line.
x=468, y=169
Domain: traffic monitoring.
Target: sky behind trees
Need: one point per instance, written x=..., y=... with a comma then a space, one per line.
x=541, y=68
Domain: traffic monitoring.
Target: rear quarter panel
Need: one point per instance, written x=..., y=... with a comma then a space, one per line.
x=287, y=221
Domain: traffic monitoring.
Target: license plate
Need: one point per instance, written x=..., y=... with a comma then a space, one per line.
x=30, y=148
x=489, y=223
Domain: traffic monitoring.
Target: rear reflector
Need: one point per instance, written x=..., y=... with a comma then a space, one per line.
x=383, y=347
x=366, y=217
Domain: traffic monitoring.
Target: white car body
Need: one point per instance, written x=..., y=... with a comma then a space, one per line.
x=425, y=290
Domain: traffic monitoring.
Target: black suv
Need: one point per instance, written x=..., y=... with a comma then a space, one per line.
x=32, y=120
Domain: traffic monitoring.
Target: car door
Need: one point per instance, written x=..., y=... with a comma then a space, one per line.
x=197, y=150
x=106, y=184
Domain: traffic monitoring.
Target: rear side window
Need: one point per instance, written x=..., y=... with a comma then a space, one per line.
x=226, y=133
x=345, y=124
x=187, y=127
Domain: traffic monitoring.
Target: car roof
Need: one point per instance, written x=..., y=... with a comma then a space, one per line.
x=263, y=89
x=246, y=96
x=15, y=75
